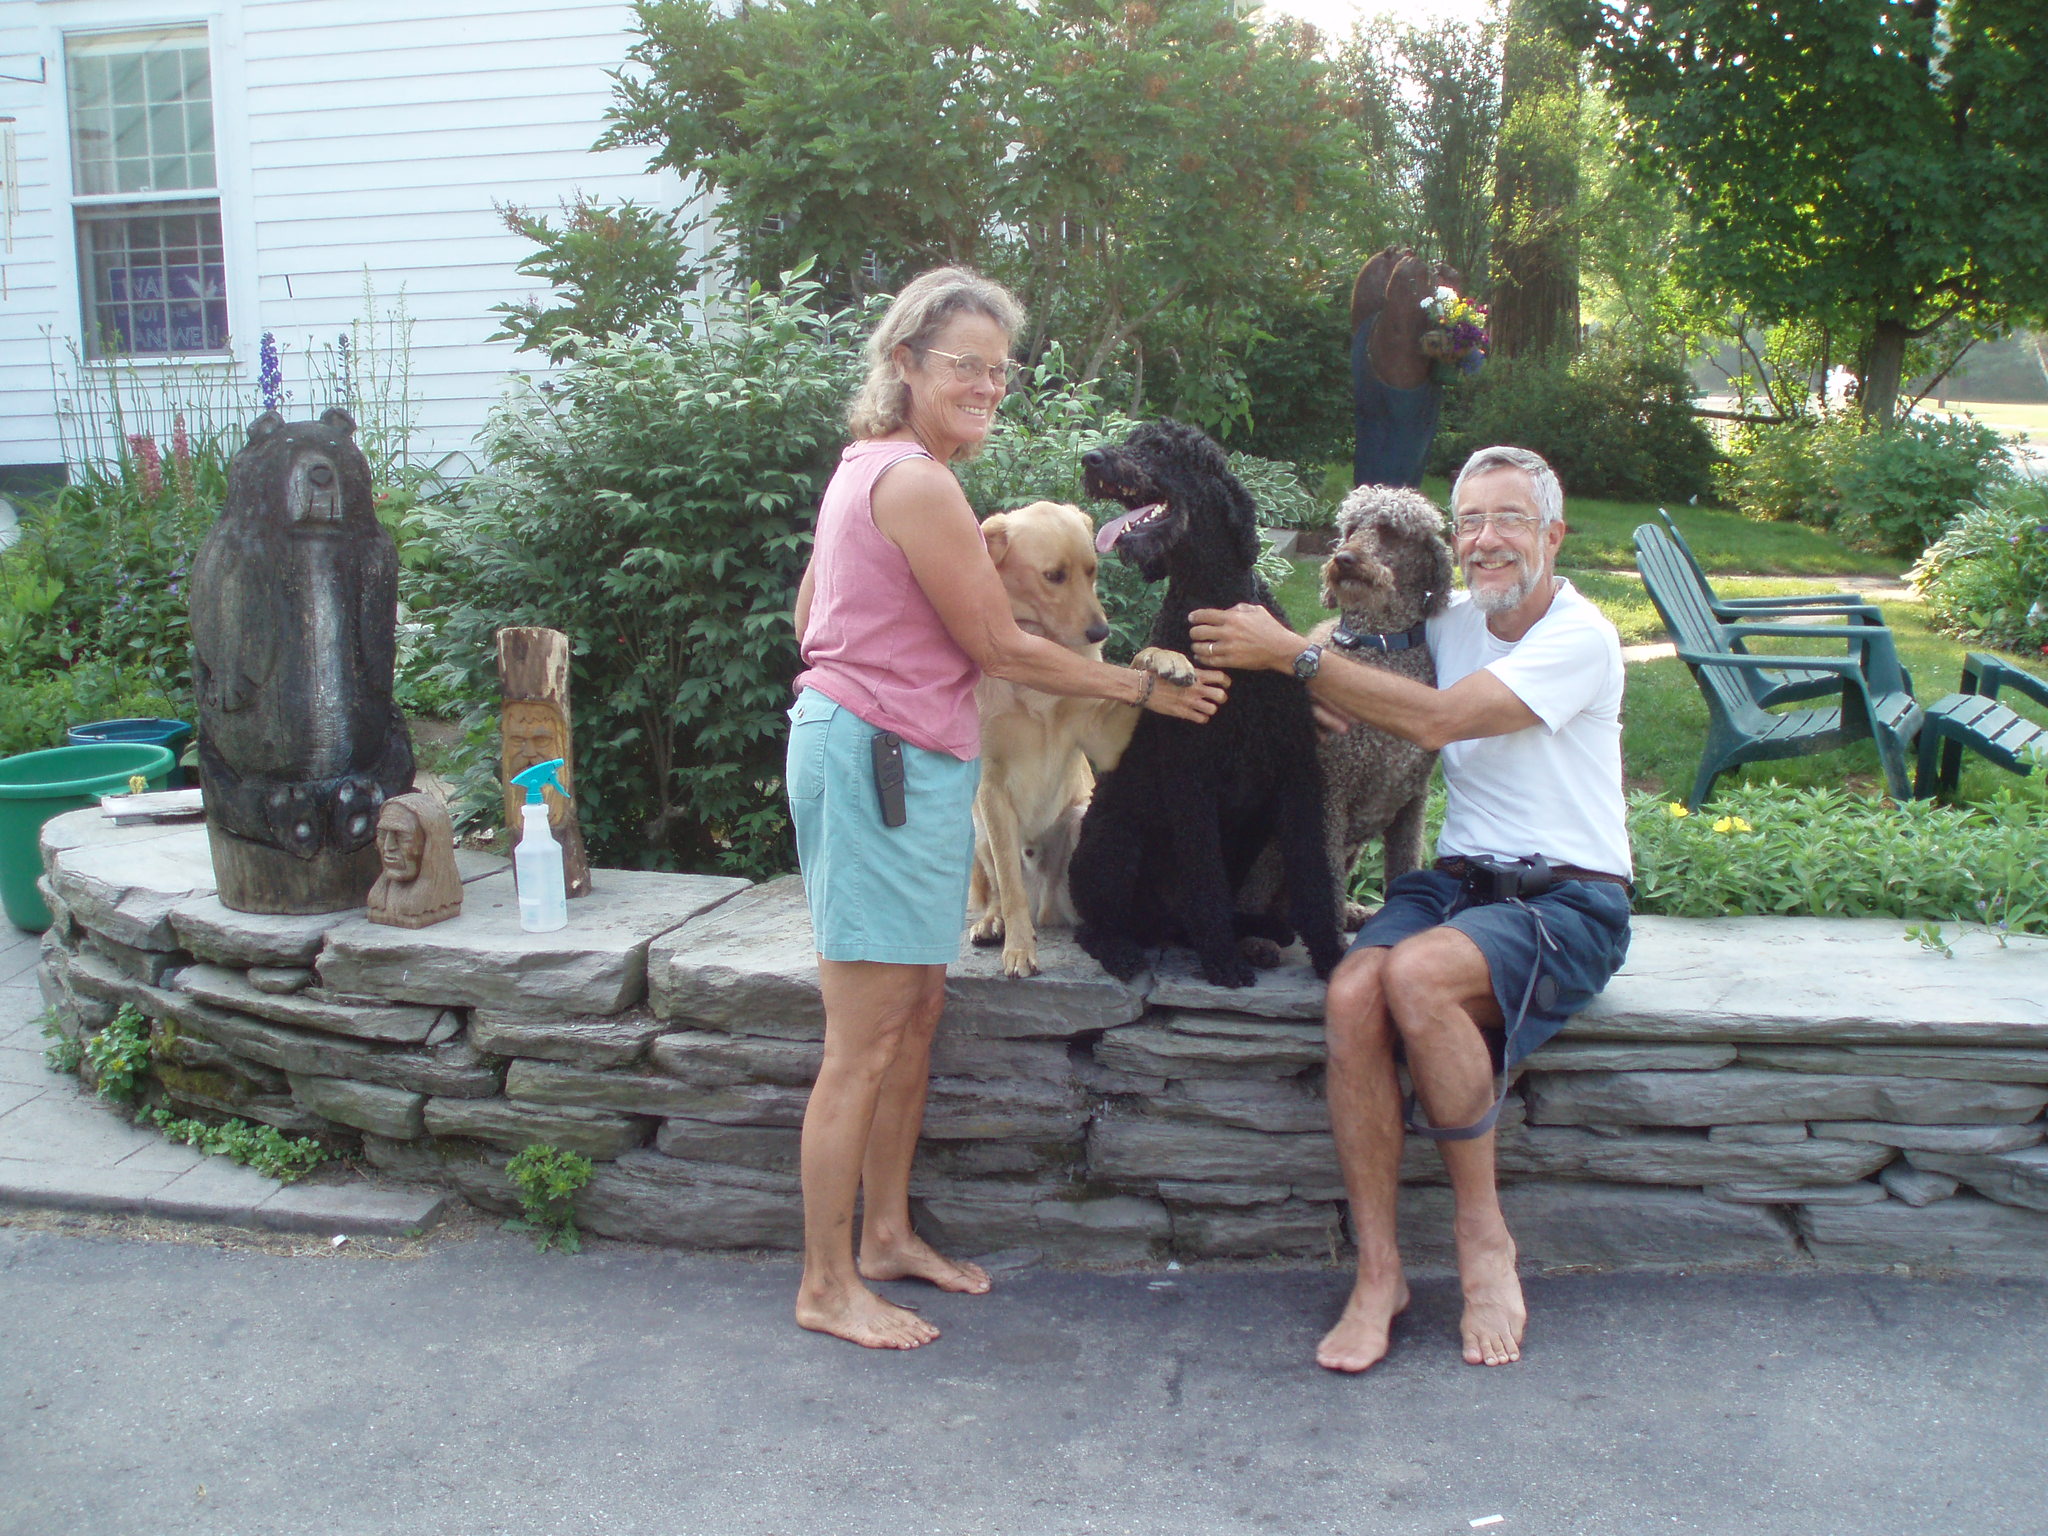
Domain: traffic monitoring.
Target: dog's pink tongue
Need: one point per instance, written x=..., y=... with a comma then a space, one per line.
x=1111, y=531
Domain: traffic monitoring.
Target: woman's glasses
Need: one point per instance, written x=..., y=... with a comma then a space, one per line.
x=969, y=368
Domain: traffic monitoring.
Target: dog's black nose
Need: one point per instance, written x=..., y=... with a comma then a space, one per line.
x=1097, y=633
x=1094, y=458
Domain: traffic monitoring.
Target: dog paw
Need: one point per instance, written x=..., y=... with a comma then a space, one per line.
x=1355, y=916
x=1229, y=971
x=1170, y=665
x=1324, y=958
x=1020, y=959
x=1261, y=952
x=988, y=932
x=1119, y=956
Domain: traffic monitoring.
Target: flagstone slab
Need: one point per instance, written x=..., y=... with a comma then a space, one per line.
x=1743, y=1095
x=125, y=885
x=1819, y=980
x=482, y=958
x=1966, y=1233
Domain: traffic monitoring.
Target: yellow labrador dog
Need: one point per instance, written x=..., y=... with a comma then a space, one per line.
x=1036, y=749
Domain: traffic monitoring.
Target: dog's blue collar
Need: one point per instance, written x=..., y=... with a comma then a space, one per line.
x=1345, y=640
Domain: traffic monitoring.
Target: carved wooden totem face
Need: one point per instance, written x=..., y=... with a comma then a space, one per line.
x=534, y=732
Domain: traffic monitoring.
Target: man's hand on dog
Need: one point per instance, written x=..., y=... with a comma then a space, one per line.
x=1248, y=638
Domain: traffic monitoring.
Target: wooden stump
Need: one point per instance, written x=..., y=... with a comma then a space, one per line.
x=533, y=672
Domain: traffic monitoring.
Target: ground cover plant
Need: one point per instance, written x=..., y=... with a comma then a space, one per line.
x=263, y=1148
x=1824, y=851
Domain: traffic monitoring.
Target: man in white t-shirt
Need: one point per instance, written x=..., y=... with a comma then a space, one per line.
x=1525, y=915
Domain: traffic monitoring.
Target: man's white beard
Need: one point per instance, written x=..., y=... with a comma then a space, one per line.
x=1492, y=600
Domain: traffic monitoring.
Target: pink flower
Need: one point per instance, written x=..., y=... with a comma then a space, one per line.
x=181, y=462
x=151, y=462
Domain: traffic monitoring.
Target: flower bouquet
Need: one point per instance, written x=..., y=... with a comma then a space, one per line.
x=1455, y=343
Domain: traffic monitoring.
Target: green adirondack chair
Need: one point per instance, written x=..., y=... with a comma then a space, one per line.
x=1972, y=717
x=1738, y=609
x=1876, y=697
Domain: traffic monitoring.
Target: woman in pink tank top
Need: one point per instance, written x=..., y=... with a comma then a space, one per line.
x=900, y=613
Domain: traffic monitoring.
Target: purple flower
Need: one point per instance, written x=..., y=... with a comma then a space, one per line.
x=344, y=367
x=270, y=373
x=150, y=462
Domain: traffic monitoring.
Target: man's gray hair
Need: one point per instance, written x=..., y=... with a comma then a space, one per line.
x=913, y=319
x=1549, y=494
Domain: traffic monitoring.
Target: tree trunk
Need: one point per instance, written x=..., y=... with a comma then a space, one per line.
x=1877, y=392
x=533, y=671
x=1535, y=308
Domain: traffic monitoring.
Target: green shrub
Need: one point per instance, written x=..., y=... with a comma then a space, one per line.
x=36, y=707
x=614, y=267
x=547, y=1179
x=654, y=500
x=1897, y=490
x=1611, y=423
x=1783, y=471
x=1298, y=378
x=1770, y=849
x=1986, y=578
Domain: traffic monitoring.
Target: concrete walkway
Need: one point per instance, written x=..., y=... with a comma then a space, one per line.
x=60, y=1147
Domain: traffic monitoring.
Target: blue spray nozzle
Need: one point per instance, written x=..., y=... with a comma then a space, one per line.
x=533, y=780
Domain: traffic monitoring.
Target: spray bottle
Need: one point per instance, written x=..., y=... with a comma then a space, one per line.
x=537, y=861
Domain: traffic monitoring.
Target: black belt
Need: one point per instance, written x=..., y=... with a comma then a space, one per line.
x=1458, y=866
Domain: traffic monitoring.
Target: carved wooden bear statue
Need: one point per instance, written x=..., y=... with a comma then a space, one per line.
x=294, y=624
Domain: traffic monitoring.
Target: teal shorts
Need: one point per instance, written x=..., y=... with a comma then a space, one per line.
x=893, y=894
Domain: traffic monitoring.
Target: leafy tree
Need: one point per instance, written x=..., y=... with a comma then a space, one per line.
x=1870, y=166
x=1426, y=102
x=1134, y=169
x=1535, y=308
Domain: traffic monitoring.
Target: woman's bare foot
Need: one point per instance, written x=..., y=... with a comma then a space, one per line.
x=1494, y=1314
x=912, y=1258
x=1359, y=1341
x=859, y=1316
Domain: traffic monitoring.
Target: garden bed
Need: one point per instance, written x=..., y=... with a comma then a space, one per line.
x=1749, y=1091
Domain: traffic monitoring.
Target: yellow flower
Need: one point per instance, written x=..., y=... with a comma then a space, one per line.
x=1677, y=809
x=1733, y=824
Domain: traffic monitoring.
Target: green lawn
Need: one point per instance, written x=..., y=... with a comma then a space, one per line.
x=1664, y=718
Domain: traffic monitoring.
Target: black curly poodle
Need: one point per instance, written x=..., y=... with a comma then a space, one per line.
x=1174, y=827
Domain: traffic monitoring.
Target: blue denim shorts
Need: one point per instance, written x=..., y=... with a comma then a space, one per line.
x=893, y=894
x=1587, y=921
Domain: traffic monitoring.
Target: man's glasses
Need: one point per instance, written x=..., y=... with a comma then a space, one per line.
x=1512, y=524
x=969, y=368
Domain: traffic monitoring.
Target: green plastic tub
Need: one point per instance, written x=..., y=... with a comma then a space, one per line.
x=38, y=785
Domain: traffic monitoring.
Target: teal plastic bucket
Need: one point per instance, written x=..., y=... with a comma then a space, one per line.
x=174, y=734
x=38, y=785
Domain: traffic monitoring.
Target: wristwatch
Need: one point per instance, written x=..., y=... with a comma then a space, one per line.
x=1309, y=663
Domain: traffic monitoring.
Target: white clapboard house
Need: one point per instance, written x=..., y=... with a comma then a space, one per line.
x=183, y=176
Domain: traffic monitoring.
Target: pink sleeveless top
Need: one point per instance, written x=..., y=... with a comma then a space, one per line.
x=874, y=643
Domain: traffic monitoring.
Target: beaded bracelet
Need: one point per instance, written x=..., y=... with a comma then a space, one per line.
x=1146, y=692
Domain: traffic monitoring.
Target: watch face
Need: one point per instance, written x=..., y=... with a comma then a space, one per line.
x=1308, y=663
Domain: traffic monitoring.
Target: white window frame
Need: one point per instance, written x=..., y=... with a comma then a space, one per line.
x=77, y=202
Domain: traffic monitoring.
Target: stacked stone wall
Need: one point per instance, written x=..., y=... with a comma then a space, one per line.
x=1748, y=1091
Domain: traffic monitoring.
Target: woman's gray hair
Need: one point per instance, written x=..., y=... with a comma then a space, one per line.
x=1549, y=494
x=913, y=319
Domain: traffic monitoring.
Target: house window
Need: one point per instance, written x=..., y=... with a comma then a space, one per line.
x=152, y=273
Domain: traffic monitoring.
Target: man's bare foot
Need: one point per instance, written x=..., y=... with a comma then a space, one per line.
x=861, y=1317
x=1494, y=1314
x=912, y=1258
x=1359, y=1341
